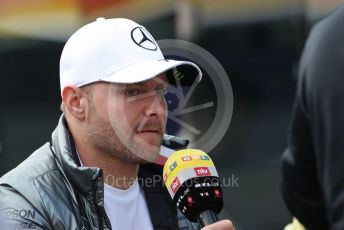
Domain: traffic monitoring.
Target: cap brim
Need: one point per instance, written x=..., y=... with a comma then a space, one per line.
x=184, y=72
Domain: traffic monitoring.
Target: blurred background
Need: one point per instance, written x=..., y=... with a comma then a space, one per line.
x=258, y=42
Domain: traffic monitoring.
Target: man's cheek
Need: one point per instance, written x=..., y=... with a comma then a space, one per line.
x=165, y=116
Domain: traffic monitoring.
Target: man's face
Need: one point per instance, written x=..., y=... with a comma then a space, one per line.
x=128, y=121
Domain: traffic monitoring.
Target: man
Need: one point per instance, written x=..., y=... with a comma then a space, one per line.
x=313, y=179
x=93, y=173
x=3, y=224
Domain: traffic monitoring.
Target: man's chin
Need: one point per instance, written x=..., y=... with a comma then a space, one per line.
x=150, y=138
x=148, y=152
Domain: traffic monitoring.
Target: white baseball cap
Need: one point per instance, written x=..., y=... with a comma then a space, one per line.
x=118, y=51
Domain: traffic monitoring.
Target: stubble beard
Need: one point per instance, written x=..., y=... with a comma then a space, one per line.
x=102, y=136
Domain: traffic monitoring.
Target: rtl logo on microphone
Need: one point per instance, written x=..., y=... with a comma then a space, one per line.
x=175, y=185
x=202, y=171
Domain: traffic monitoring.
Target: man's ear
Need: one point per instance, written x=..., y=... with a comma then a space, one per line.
x=75, y=102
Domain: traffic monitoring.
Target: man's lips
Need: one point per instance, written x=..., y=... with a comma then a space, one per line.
x=151, y=131
x=150, y=126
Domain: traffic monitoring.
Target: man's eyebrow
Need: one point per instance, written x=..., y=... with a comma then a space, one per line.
x=163, y=83
x=137, y=84
x=126, y=85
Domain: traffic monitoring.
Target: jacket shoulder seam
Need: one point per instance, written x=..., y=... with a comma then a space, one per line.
x=40, y=175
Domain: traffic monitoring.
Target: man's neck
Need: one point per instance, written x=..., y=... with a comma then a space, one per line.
x=117, y=173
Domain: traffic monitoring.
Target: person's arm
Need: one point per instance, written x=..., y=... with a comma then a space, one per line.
x=313, y=176
x=3, y=223
x=221, y=225
x=301, y=186
x=18, y=212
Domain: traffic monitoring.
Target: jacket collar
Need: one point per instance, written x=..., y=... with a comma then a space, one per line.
x=83, y=178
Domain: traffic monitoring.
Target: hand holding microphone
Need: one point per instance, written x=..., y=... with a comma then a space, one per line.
x=194, y=185
x=221, y=225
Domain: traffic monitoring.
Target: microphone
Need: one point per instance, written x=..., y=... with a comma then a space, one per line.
x=194, y=185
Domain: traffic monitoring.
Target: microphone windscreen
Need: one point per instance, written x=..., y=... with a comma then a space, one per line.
x=193, y=182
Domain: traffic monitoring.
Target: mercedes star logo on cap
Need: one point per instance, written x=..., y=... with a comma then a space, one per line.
x=143, y=39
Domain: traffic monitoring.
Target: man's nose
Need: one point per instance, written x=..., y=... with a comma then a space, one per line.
x=156, y=106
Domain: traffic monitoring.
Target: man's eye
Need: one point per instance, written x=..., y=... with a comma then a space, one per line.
x=131, y=92
x=162, y=91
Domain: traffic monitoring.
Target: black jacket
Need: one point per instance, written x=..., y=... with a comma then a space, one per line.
x=49, y=190
x=313, y=178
